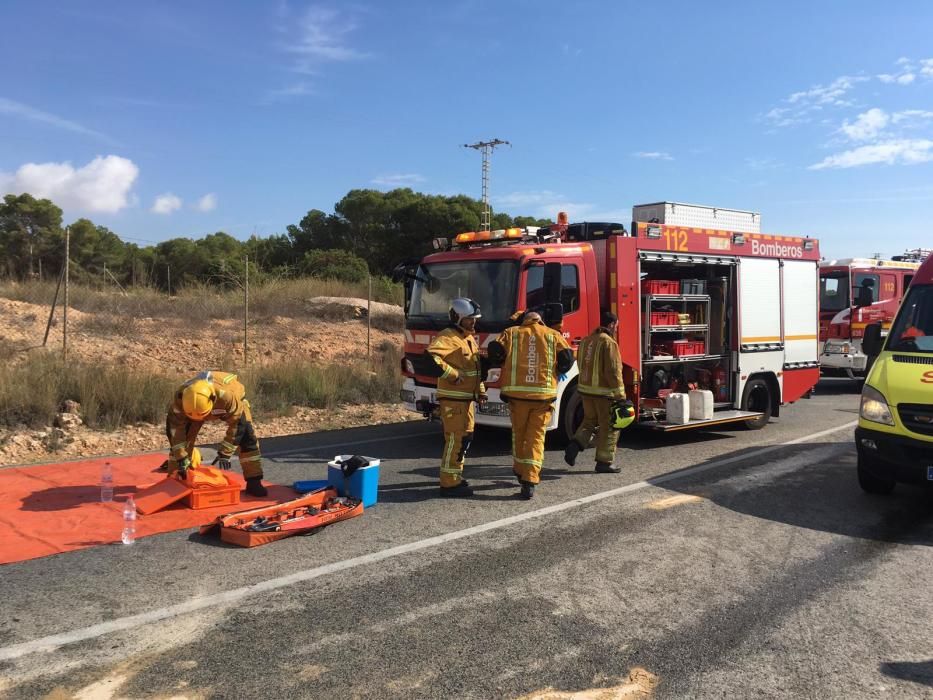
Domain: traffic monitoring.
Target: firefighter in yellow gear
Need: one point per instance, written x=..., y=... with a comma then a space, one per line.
x=455, y=354
x=211, y=396
x=532, y=357
x=599, y=384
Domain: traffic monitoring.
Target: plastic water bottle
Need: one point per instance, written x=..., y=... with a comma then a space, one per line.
x=106, y=483
x=129, y=521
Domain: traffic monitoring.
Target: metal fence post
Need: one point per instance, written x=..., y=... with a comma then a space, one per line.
x=58, y=288
x=369, y=319
x=65, y=307
x=246, y=311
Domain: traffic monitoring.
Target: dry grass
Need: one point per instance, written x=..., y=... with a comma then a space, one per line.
x=286, y=297
x=31, y=393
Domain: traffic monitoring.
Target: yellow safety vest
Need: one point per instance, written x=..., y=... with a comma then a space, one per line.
x=600, y=366
x=530, y=367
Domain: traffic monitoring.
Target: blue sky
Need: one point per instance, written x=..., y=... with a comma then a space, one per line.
x=167, y=119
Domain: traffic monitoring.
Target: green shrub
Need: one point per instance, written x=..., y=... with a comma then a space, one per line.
x=335, y=264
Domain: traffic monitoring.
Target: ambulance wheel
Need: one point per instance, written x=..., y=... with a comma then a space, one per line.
x=571, y=416
x=871, y=483
x=757, y=399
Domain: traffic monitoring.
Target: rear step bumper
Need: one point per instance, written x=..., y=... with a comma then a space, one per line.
x=719, y=418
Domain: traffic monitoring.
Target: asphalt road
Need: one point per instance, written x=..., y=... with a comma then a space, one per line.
x=721, y=564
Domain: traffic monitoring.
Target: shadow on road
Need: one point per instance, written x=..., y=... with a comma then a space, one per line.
x=823, y=495
x=916, y=671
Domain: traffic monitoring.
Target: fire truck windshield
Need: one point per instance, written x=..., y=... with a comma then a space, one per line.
x=834, y=291
x=491, y=284
x=913, y=330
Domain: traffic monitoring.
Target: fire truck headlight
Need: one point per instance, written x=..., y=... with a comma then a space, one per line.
x=874, y=407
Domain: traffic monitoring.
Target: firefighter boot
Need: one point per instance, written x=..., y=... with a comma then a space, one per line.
x=461, y=490
x=571, y=451
x=254, y=487
x=607, y=468
x=528, y=491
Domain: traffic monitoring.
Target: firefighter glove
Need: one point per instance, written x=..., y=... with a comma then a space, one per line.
x=222, y=462
x=184, y=464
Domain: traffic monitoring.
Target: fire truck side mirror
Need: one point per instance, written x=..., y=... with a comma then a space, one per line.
x=865, y=296
x=553, y=313
x=871, y=341
x=552, y=282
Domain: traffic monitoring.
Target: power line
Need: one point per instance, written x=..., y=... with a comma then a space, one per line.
x=486, y=148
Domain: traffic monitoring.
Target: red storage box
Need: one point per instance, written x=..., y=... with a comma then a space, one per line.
x=664, y=318
x=684, y=348
x=678, y=348
x=660, y=287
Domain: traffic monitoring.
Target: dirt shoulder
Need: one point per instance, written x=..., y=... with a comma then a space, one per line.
x=75, y=441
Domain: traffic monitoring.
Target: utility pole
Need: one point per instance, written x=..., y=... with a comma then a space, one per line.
x=486, y=148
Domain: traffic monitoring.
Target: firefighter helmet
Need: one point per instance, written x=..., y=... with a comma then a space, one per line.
x=622, y=414
x=197, y=399
x=461, y=308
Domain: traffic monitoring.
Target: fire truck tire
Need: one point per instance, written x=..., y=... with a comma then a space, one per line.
x=871, y=483
x=757, y=398
x=571, y=415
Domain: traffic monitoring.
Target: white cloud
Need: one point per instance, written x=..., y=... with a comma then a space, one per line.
x=398, y=180
x=799, y=107
x=318, y=36
x=18, y=109
x=103, y=185
x=653, y=155
x=867, y=125
x=908, y=71
x=891, y=152
x=911, y=115
x=207, y=203
x=166, y=204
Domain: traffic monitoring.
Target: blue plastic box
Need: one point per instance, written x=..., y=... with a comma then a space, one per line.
x=362, y=484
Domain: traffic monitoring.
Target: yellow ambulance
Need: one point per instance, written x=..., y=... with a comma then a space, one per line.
x=894, y=437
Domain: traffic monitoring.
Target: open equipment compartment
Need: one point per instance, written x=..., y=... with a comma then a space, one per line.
x=687, y=337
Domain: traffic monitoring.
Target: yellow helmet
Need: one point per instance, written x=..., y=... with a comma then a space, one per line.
x=622, y=414
x=197, y=399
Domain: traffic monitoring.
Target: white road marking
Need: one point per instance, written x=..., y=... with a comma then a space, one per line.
x=52, y=642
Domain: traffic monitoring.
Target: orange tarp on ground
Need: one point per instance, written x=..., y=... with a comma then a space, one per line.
x=53, y=508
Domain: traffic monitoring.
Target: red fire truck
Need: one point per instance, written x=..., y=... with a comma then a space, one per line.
x=708, y=307
x=855, y=292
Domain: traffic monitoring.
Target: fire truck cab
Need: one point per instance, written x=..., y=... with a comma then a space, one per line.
x=699, y=307
x=855, y=292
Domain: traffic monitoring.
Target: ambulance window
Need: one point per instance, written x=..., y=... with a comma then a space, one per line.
x=569, y=288
x=907, y=279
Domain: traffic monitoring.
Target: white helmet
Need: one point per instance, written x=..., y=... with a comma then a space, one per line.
x=461, y=308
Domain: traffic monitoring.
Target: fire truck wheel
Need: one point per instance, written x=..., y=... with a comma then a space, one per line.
x=571, y=415
x=871, y=483
x=757, y=398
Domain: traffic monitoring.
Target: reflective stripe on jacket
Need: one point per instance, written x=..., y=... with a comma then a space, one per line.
x=229, y=405
x=456, y=353
x=530, y=367
x=600, y=366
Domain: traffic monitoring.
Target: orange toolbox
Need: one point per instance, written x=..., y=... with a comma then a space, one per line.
x=204, y=487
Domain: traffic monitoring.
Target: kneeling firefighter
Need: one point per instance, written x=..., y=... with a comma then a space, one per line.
x=532, y=356
x=601, y=387
x=214, y=396
x=456, y=359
